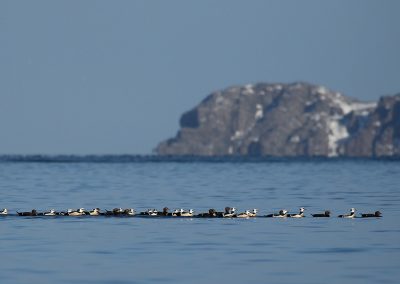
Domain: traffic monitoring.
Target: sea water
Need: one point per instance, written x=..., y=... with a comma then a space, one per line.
x=189, y=250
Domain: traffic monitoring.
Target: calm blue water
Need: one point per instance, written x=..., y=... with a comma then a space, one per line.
x=138, y=250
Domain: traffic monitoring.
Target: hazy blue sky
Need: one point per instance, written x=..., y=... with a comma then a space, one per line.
x=114, y=76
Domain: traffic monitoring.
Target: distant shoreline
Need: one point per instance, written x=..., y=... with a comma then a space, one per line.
x=120, y=158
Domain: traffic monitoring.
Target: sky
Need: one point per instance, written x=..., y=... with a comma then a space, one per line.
x=113, y=77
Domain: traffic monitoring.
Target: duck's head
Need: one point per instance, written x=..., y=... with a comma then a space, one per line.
x=282, y=212
x=377, y=213
x=181, y=210
x=233, y=209
x=5, y=211
x=191, y=211
x=255, y=211
x=165, y=209
x=247, y=212
x=52, y=211
x=352, y=210
x=327, y=213
x=302, y=209
x=81, y=210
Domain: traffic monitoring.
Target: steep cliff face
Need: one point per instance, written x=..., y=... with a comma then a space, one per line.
x=378, y=135
x=286, y=120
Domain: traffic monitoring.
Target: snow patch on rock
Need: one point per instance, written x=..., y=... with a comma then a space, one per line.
x=336, y=132
x=248, y=89
x=259, y=112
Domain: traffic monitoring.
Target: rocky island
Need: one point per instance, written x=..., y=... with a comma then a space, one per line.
x=287, y=120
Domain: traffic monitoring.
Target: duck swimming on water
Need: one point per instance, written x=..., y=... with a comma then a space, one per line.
x=327, y=213
x=52, y=212
x=352, y=214
x=253, y=213
x=4, y=211
x=32, y=213
x=377, y=214
x=210, y=214
x=95, y=212
x=129, y=212
x=245, y=214
x=79, y=212
x=229, y=212
x=282, y=214
x=184, y=213
x=298, y=215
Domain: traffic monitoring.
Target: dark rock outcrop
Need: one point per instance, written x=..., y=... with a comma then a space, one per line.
x=287, y=120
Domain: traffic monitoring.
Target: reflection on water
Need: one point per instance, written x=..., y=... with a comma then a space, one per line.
x=140, y=250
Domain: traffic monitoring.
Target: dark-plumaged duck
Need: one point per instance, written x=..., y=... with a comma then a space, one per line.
x=377, y=214
x=31, y=213
x=327, y=213
x=210, y=214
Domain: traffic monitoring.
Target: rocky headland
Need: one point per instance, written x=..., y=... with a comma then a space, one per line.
x=287, y=120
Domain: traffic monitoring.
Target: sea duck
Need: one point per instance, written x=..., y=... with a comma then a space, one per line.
x=327, y=213
x=52, y=212
x=4, y=211
x=245, y=214
x=229, y=212
x=371, y=215
x=298, y=215
x=79, y=212
x=351, y=215
x=95, y=212
x=129, y=212
x=32, y=213
x=211, y=213
x=282, y=214
x=253, y=213
x=165, y=212
x=150, y=212
x=183, y=213
x=176, y=212
x=114, y=212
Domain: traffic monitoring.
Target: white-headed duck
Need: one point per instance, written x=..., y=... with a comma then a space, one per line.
x=298, y=215
x=352, y=214
x=79, y=212
x=245, y=214
x=229, y=212
x=95, y=212
x=184, y=213
x=52, y=212
x=282, y=214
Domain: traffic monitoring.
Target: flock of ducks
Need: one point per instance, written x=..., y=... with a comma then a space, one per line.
x=229, y=212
